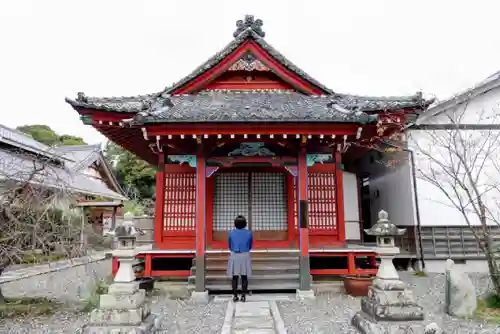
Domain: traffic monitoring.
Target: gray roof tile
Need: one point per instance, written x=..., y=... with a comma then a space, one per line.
x=248, y=29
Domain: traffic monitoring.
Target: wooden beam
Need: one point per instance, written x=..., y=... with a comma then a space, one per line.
x=200, y=219
x=160, y=200
x=339, y=195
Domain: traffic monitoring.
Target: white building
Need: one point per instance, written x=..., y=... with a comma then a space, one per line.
x=439, y=228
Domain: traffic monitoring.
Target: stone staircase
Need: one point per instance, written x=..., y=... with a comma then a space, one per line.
x=270, y=271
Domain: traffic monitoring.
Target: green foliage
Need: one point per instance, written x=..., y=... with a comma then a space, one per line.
x=135, y=207
x=47, y=136
x=420, y=273
x=136, y=176
x=493, y=301
x=100, y=288
x=15, y=307
x=489, y=309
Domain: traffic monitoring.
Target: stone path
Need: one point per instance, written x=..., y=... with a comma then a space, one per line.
x=256, y=316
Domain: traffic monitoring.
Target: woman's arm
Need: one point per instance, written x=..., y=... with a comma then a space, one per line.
x=229, y=241
x=251, y=241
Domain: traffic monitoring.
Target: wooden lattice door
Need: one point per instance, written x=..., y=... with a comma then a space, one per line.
x=259, y=196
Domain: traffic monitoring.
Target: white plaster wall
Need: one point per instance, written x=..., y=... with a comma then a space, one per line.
x=351, y=206
x=435, y=207
x=393, y=192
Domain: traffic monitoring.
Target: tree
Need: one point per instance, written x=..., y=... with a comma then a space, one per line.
x=44, y=134
x=31, y=221
x=135, y=175
x=463, y=162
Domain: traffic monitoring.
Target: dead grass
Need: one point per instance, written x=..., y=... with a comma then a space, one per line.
x=487, y=313
x=28, y=307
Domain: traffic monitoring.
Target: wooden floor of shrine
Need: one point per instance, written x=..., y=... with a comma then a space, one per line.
x=352, y=259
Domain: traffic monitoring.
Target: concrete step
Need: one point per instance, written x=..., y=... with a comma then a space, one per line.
x=264, y=279
x=252, y=286
x=257, y=268
x=274, y=259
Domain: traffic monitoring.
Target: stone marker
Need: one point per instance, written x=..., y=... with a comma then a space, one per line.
x=460, y=294
x=124, y=308
x=389, y=306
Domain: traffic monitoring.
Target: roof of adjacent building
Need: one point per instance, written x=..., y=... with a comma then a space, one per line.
x=258, y=105
x=25, y=159
x=484, y=86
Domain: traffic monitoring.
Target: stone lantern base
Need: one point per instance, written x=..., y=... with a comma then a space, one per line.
x=123, y=310
x=388, y=308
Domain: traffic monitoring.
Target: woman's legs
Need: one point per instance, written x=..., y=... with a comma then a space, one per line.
x=244, y=286
x=235, y=288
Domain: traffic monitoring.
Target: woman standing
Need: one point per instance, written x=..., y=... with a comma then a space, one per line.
x=240, y=263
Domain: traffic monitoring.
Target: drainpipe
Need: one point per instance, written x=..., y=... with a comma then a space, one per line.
x=415, y=197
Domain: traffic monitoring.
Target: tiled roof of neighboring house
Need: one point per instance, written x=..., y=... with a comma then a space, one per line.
x=249, y=29
x=83, y=156
x=26, y=142
x=484, y=86
x=17, y=164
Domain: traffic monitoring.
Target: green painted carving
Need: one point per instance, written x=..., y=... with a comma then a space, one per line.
x=314, y=158
x=252, y=150
x=86, y=119
x=189, y=159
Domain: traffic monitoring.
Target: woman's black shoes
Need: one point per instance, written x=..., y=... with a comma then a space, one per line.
x=243, y=299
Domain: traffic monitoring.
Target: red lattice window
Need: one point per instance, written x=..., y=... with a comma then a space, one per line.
x=180, y=202
x=321, y=201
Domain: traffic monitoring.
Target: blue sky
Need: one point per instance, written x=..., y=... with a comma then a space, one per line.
x=55, y=48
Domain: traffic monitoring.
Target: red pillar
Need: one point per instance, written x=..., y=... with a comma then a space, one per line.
x=200, y=221
x=339, y=196
x=305, y=272
x=160, y=200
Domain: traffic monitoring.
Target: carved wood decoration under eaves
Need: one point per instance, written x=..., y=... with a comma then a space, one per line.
x=248, y=62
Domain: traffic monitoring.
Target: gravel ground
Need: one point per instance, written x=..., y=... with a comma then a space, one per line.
x=332, y=313
x=177, y=317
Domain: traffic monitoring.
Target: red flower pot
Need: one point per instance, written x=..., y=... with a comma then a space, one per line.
x=358, y=286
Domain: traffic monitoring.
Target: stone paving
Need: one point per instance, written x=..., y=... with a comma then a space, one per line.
x=258, y=315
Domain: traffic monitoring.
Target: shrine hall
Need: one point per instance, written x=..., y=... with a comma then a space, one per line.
x=250, y=133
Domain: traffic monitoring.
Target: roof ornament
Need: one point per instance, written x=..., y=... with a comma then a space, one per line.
x=249, y=23
x=150, y=108
x=80, y=97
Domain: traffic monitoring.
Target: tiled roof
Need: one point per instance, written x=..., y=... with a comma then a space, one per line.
x=233, y=106
x=246, y=29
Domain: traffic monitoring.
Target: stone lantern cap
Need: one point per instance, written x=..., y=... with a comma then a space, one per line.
x=384, y=227
x=127, y=229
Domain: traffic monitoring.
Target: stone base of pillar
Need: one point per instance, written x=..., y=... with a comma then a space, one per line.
x=200, y=297
x=367, y=325
x=124, y=309
x=388, y=308
x=305, y=294
x=145, y=327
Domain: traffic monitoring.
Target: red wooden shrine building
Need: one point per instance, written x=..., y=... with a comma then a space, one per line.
x=249, y=133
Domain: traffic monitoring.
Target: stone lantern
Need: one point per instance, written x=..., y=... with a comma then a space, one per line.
x=124, y=309
x=389, y=306
x=385, y=232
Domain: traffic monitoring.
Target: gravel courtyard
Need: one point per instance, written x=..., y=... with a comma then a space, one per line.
x=329, y=313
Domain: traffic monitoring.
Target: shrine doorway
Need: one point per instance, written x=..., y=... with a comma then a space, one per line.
x=261, y=195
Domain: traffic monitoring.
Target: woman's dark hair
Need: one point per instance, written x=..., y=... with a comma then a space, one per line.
x=240, y=222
